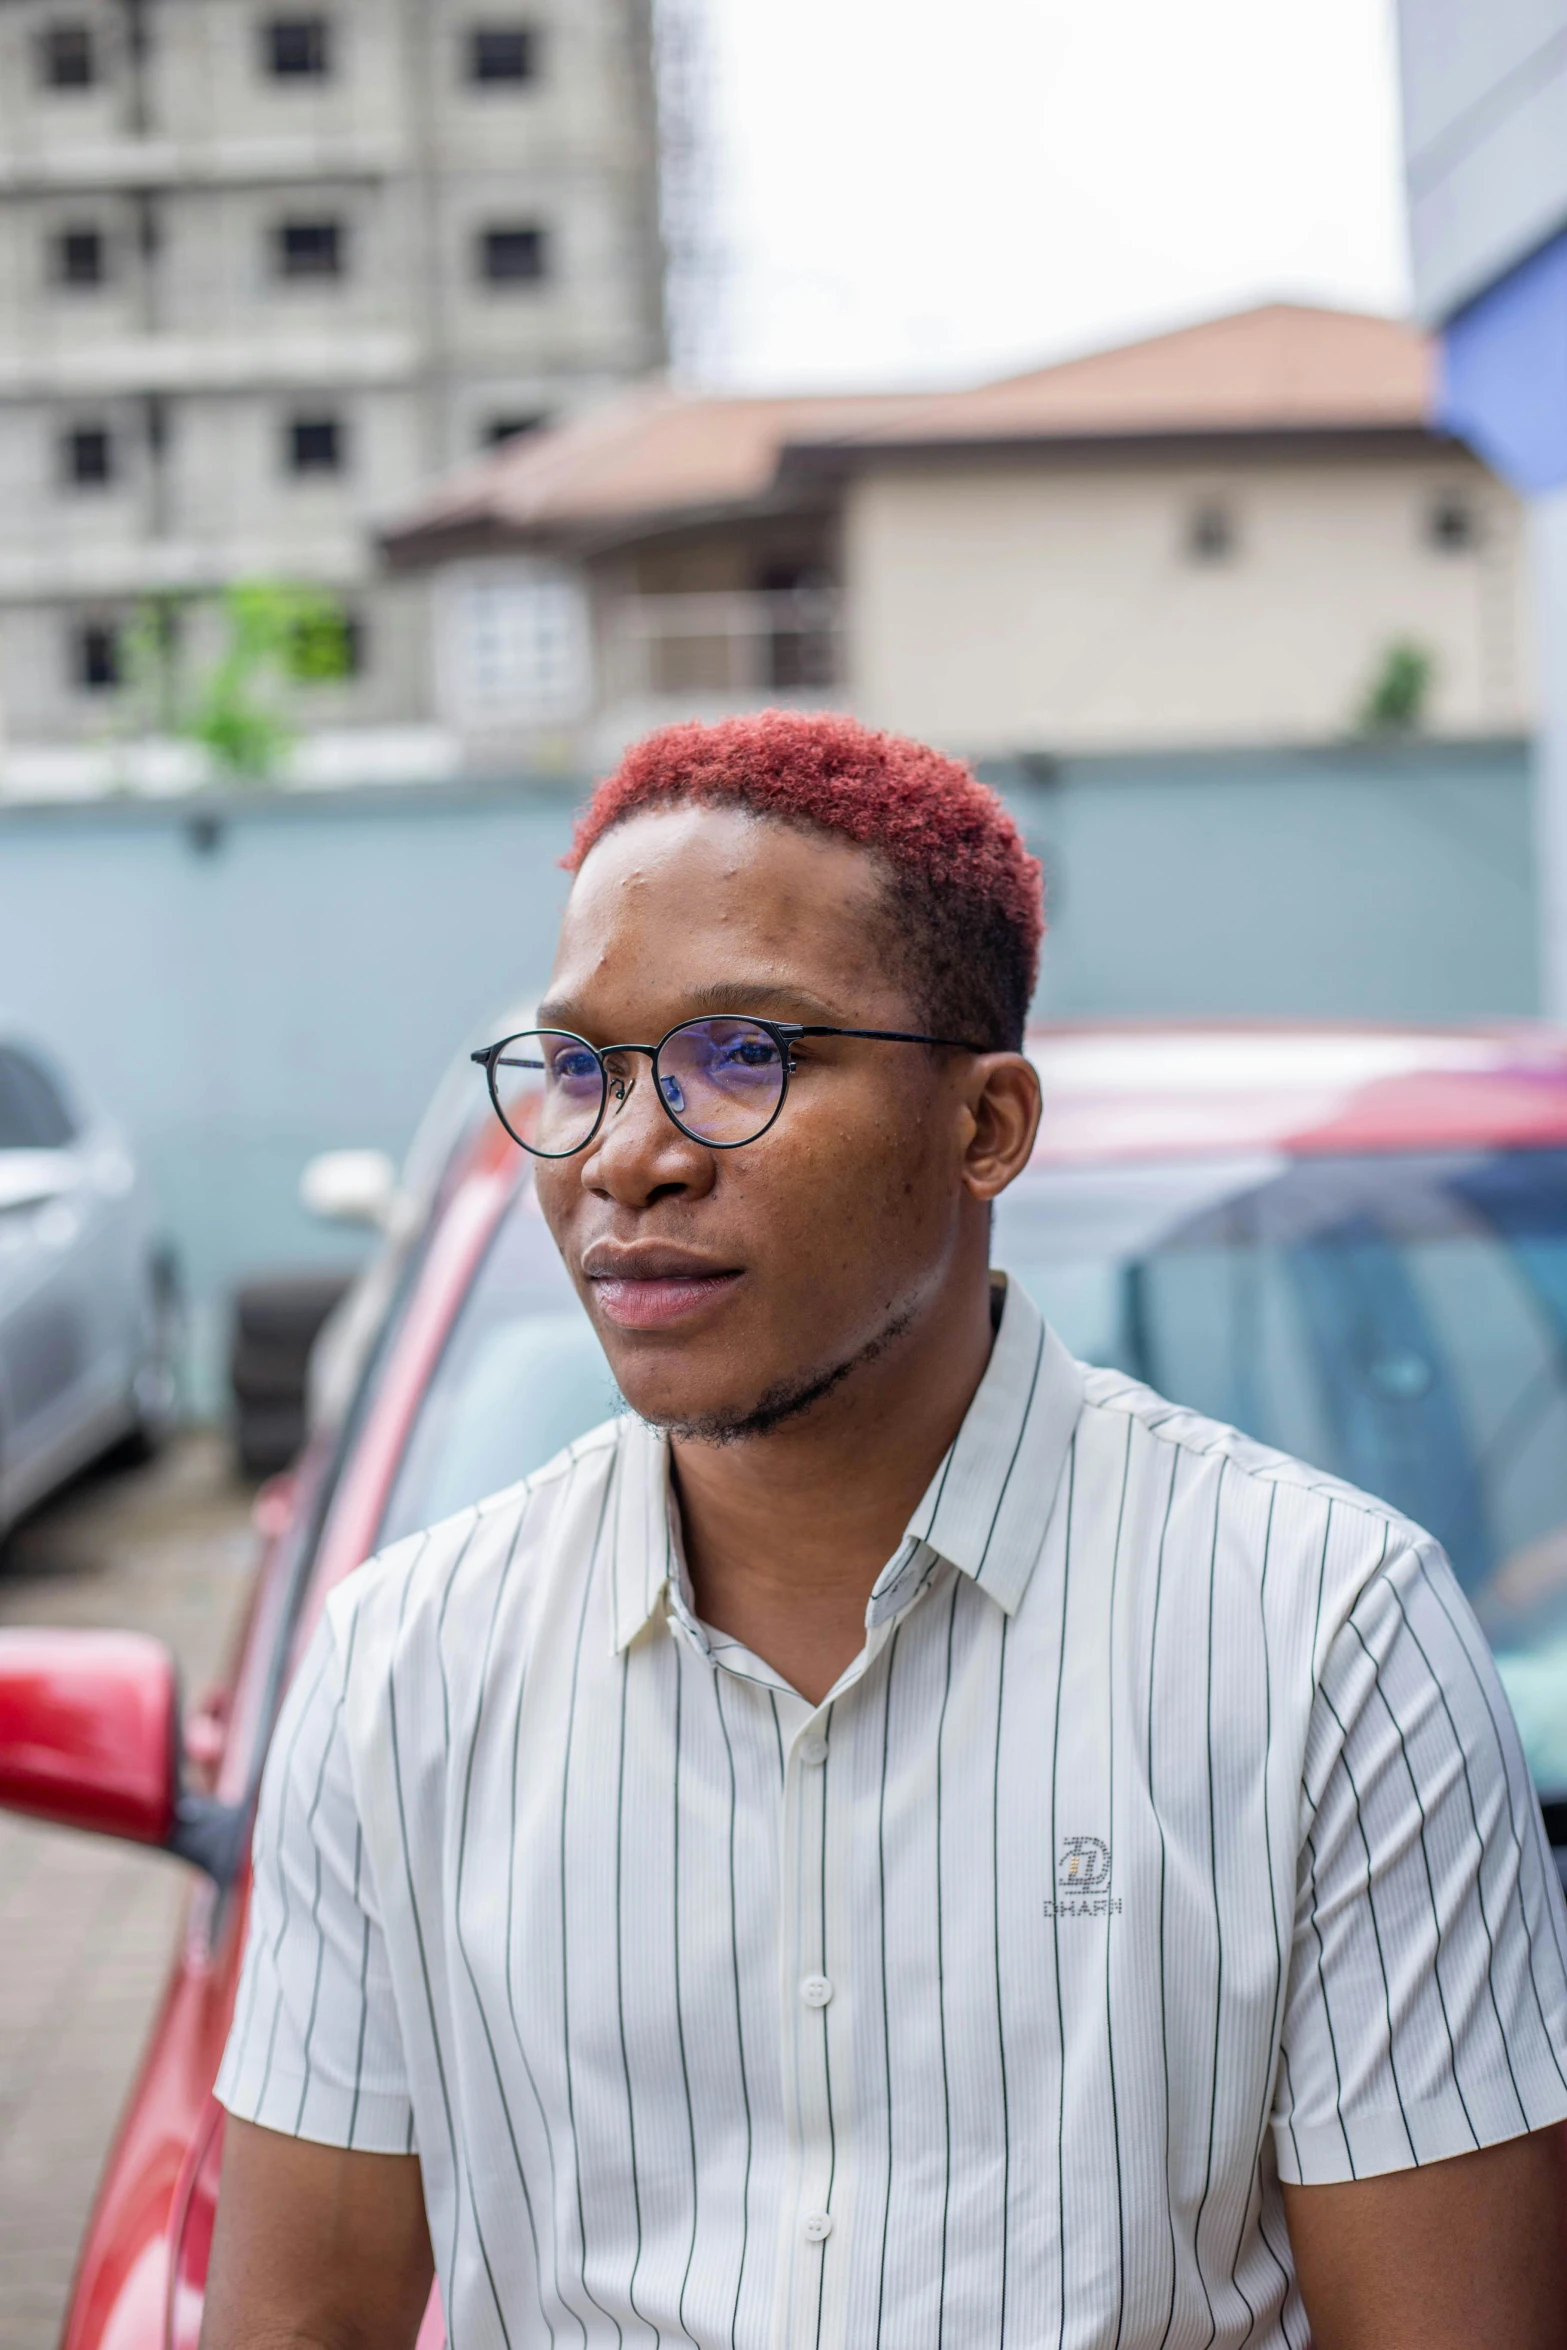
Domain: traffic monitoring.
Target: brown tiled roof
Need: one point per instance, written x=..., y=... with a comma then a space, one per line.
x=1283, y=368
x=653, y=452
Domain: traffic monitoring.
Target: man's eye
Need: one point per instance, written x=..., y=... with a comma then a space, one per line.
x=753, y=1052
x=572, y=1068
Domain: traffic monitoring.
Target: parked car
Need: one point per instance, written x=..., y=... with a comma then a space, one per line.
x=1354, y=1242
x=91, y=1327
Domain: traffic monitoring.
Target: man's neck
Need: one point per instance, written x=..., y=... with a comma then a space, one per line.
x=785, y=1534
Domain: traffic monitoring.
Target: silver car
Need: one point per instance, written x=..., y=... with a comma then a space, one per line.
x=90, y=1320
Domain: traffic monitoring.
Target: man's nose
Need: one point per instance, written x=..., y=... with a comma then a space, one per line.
x=638, y=1151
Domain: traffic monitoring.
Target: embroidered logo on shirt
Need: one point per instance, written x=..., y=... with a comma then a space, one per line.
x=1083, y=1880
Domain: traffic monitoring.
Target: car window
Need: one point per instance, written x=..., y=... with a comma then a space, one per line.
x=33, y=1112
x=521, y=1374
x=1398, y=1320
x=296, y=1570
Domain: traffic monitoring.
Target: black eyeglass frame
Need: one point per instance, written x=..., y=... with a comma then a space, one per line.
x=784, y=1033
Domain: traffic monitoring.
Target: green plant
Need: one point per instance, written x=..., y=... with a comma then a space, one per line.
x=318, y=644
x=274, y=635
x=1397, y=698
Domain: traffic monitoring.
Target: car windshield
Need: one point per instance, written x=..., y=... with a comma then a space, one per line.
x=521, y=1374
x=1399, y=1320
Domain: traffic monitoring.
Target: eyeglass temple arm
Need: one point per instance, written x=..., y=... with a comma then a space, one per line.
x=957, y=1044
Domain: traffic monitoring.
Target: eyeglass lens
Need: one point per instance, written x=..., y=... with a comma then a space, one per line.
x=721, y=1080
x=549, y=1089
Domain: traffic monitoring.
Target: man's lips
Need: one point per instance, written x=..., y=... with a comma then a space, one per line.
x=648, y=1289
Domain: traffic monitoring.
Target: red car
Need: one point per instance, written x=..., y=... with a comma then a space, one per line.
x=1353, y=1242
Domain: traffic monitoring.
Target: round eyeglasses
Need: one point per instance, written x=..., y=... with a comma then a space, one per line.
x=721, y=1081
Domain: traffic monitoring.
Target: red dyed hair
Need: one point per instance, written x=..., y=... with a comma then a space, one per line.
x=947, y=837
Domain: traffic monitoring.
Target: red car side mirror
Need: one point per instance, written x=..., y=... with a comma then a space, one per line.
x=89, y=1732
x=90, y=1738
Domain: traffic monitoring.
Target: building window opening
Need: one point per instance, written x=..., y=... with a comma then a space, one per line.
x=87, y=457
x=502, y=53
x=326, y=647
x=297, y=48
x=512, y=256
x=96, y=663
x=519, y=649
x=1211, y=533
x=67, y=57
x=509, y=428
x=1452, y=523
x=310, y=249
x=81, y=257
x=800, y=649
x=315, y=444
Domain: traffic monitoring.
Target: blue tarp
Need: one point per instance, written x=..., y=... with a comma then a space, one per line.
x=1503, y=376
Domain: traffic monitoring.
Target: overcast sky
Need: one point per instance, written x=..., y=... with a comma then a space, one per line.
x=918, y=192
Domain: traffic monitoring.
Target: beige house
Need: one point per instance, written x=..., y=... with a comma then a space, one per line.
x=1222, y=535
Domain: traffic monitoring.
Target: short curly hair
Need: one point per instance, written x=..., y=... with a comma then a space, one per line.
x=965, y=895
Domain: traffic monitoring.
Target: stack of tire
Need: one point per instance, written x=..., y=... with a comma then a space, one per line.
x=276, y=1321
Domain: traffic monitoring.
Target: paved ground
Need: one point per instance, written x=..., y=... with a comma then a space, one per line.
x=86, y=1925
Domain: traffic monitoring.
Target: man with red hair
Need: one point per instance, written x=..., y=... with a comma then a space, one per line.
x=899, y=1839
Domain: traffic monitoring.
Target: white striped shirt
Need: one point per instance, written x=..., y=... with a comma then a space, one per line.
x=1168, y=1837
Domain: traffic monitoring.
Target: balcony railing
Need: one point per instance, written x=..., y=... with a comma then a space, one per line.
x=728, y=647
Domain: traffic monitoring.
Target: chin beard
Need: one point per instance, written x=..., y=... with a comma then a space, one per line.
x=787, y=1399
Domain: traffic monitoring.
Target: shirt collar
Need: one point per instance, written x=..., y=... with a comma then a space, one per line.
x=985, y=1509
x=987, y=1506
x=644, y=1532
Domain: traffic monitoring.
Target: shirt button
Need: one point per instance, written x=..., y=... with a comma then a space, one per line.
x=813, y=1750
x=816, y=1990
x=816, y=2227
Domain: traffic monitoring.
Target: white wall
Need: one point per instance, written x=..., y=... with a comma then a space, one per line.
x=1024, y=605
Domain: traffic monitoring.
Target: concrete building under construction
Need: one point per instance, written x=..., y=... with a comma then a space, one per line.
x=266, y=268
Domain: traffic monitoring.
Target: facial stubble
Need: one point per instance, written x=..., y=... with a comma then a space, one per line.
x=785, y=1400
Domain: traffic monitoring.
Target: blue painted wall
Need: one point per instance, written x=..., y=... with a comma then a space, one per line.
x=1502, y=373
x=1363, y=882
x=249, y=980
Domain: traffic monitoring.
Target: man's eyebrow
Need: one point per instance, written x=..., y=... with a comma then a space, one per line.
x=751, y=995
x=720, y=995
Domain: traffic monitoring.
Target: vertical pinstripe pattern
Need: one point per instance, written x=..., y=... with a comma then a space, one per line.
x=1110, y=1934
x=567, y=1976
x=734, y=1948
x=886, y=2000
x=1218, y=1913
x=1160, y=1944
x=1168, y=1839
x=1001, y=2033
x=1053, y=1908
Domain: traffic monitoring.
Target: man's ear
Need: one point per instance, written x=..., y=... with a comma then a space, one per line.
x=1003, y=1102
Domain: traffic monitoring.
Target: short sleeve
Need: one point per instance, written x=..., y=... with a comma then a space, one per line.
x=1426, y=2005
x=315, y=2050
